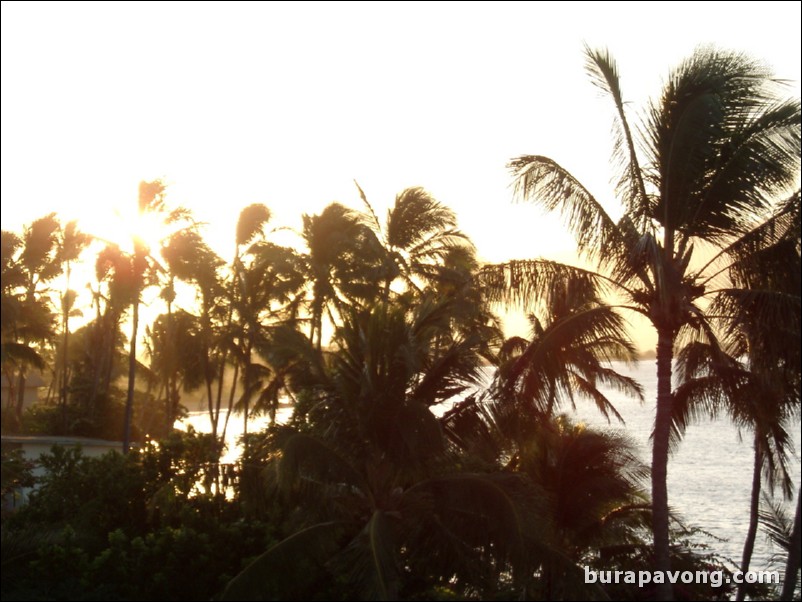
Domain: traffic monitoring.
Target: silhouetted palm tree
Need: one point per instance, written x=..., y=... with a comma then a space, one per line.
x=384, y=507
x=716, y=148
x=271, y=291
x=417, y=239
x=191, y=260
x=267, y=284
x=595, y=494
x=151, y=200
x=340, y=247
x=574, y=337
x=756, y=376
x=72, y=243
x=29, y=263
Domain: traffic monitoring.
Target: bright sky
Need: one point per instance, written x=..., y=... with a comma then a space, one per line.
x=286, y=103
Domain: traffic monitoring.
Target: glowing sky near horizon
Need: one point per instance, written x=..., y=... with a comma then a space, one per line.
x=287, y=103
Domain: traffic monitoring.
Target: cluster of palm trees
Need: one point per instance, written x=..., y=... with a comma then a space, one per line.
x=402, y=471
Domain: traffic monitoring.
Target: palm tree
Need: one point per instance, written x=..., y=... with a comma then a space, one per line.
x=762, y=391
x=716, y=148
x=756, y=397
x=418, y=237
x=572, y=340
x=270, y=291
x=340, y=249
x=794, y=545
x=114, y=268
x=190, y=259
x=176, y=359
x=250, y=224
x=72, y=243
x=29, y=263
x=16, y=352
x=595, y=493
x=187, y=259
x=151, y=199
x=398, y=518
x=574, y=336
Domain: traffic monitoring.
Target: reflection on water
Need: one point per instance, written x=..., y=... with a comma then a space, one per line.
x=709, y=476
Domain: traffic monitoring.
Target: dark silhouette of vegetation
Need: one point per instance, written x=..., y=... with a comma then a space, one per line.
x=425, y=456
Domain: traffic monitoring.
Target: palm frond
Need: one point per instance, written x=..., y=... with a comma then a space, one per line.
x=491, y=512
x=717, y=121
x=376, y=224
x=776, y=521
x=369, y=561
x=519, y=282
x=289, y=570
x=767, y=144
x=603, y=70
x=540, y=179
x=781, y=226
x=22, y=354
x=307, y=459
x=414, y=217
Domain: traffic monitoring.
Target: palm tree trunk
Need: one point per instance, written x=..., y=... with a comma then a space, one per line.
x=208, y=367
x=754, y=506
x=247, y=393
x=662, y=428
x=171, y=387
x=210, y=398
x=792, y=565
x=20, y=401
x=62, y=394
x=129, y=400
x=231, y=393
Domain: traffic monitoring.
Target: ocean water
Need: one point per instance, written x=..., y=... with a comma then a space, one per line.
x=709, y=475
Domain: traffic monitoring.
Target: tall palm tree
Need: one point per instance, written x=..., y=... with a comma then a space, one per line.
x=716, y=149
x=72, y=243
x=270, y=291
x=191, y=260
x=151, y=200
x=116, y=269
x=250, y=224
x=756, y=397
x=265, y=279
x=16, y=352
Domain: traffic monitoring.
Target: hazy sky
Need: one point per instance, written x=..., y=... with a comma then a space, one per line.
x=288, y=103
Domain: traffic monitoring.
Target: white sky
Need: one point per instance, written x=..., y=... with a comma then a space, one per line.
x=286, y=103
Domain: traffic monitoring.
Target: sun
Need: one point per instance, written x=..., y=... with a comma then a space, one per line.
x=147, y=228
x=123, y=225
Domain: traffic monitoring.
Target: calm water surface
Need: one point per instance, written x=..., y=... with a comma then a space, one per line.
x=709, y=476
